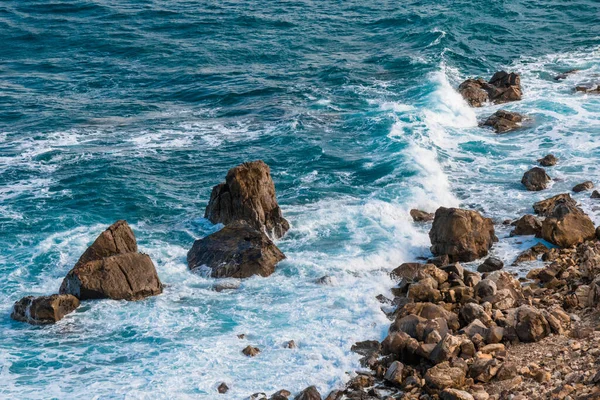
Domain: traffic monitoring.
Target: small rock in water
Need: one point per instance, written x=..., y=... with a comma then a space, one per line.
x=548, y=160
x=535, y=179
x=421, y=216
x=281, y=395
x=504, y=121
x=290, y=345
x=326, y=280
x=223, y=388
x=45, y=309
x=501, y=88
x=241, y=336
x=595, y=195
x=564, y=75
x=231, y=284
x=587, y=185
x=251, y=351
x=491, y=264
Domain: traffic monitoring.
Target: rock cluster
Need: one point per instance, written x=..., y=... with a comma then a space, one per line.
x=504, y=121
x=111, y=268
x=503, y=87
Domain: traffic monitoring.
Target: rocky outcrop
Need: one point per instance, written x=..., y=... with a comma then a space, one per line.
x=545, y=208
x=504, y=121
x=462, y=235
x=248, y=194
x=582, y=187
x=421, y=216
x=502, y=88
x=45, y=309
x=548, y=160
x=527, y=225
x=236, y=251
x=111, y=268
x=535, y=179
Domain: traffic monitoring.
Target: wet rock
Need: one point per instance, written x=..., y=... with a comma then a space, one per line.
x=231, y=284
x=462, y=235
x=443, y=376
x=116, y=239
x=567, y=226
x=236, y=251
x=421, y=216
x=290, y=344
x=361, y=381
x=532, y=253
x=250, y=351
x=366, y=347
x=474, y=92
x=310, y=393
x=545, y=208
x=591, y=88
x=504, y=121
x=527, y=225
x=491, y=264
x=427, y=311
x=413, y=272
x=595, y=195
x=502, y=88
x=394, y=373
x=587, y=185
x=129, y=276
x=281, y=395
x=565, y=75
x=248, y=194
x=455, y=394
x=548, y=160
x=326, y=280
x=223, y=388
x=535, y=179
x=45, y=309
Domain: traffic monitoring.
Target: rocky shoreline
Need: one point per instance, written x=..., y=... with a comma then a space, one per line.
x=454, y=334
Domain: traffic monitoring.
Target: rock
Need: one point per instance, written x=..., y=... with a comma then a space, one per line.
x=564, y=75
x=443, y=376
x=248, y=194
x=129, y=276
x=421, y=216
x=366, y=347
x=427, y=311
x=485, y=288
x=531, y=326
x=484, y=369
x=535, y=179
x=455, y=394
x=310, y=393
x=412, y=272
x=595, y=195
x=462, y=235
x=448, y=348
x=567, y=225
x=425, y=290
x=476, y=327
x=527, y=225
x=472, y=311
x=361, y=381
x=236, y=251
x=258, y=396
x=532, y=253
x=502, y=88
x=587, y=185
x=545, y=208
x=45, y=309
x=591, y=88
x=394, y=373
x=290, y=344
x=507, y=371
x=281, y=395
x=116, y=239
x=491, y=264
x=231, y=284
x=548, y=160
x=326, y=280
x=250, y=351
x=504, y=121
x=223, y=388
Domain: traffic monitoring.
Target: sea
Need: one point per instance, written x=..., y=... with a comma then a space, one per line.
x=130, y=109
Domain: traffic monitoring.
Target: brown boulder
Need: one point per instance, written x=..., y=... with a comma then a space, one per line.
x=421, y=216
x=129, y=276
x=545, y=208
x=474, y=92
x=443, y=376
x=310, y=393
x=491, y=264
x=426, y=311
x=587, y=185
x=548, y=160
x=237, y=251
x=502, y=88
x=530, y=324
x=462, y=235
x=248, y=194
x=504, y=121
x=527, y=225
x=117, y=239
x=45, y=309
x=595, y=195
x=567, y=226
x=251, y=351
x=535, y=179
x=455, y=394
x=532, y=253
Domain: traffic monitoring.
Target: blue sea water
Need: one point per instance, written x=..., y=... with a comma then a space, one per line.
x=130, y=109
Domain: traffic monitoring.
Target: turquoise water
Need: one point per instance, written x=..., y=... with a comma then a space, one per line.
x=134, y=110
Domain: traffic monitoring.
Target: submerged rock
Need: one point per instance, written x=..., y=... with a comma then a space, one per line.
x=564, y=75
x=130, y=276
x=45, y=309
x=236, y=251
x=548, y=160
x=248, y=194
x=535, y=179
x=111, y=268
x=504, y=121
x=587, y=185
x=502, y=88
x=462, y=235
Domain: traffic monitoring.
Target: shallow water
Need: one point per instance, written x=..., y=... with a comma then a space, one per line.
x=134, y=110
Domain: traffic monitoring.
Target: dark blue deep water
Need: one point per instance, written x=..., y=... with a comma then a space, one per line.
x=135, y=109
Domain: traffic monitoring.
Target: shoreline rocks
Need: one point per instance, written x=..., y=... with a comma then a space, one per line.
x=44, y=309
x=503, y=87
x=248, y=194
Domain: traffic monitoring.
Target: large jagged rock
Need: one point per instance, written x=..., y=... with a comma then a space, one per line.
x=45, y=309
x=462, y=235
x=112, y=268
x=236, y=251
x=504, y=121
x=129, y=276
x=535, y=179
x=248, y=194
x=545, y=208
x=502, y=88
x=567, y=225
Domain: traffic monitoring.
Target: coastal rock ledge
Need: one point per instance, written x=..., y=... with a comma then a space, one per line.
x=112, y=268
x=248, y=194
